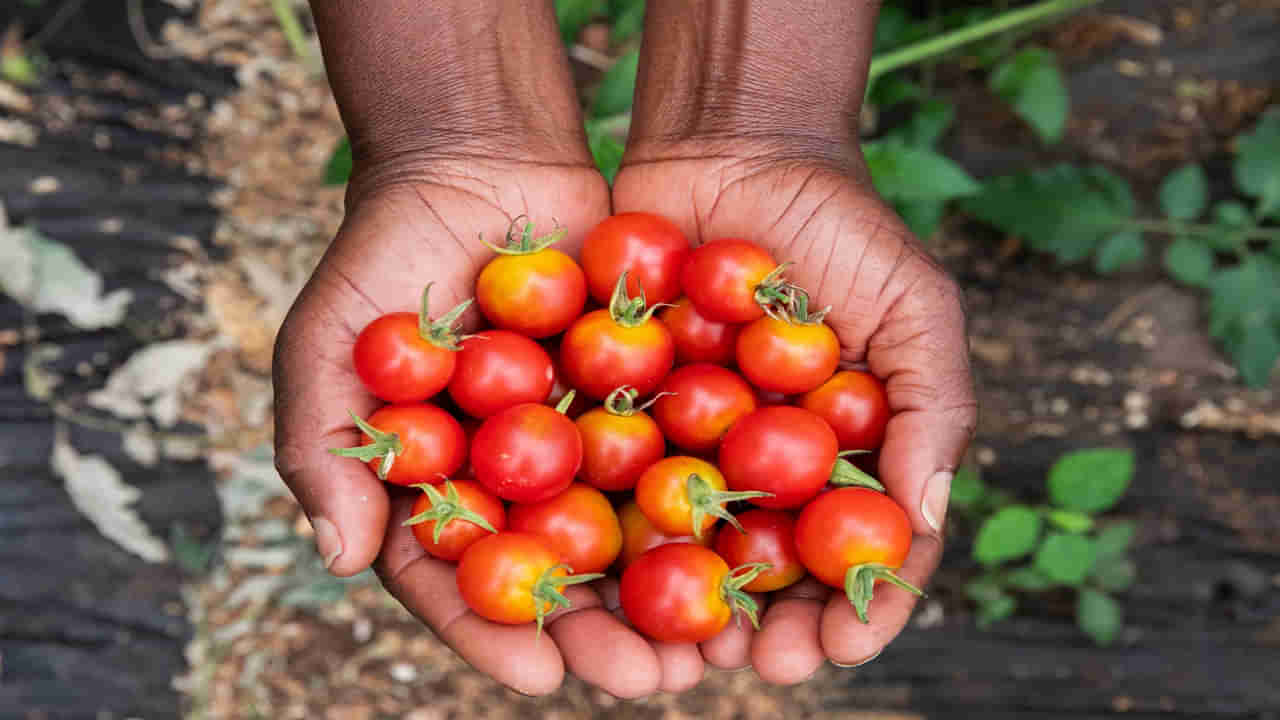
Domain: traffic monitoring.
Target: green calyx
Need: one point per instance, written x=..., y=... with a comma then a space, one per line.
x=860, y=581
x=736, y=598
x=524, y=243
x=445, y=508
x=706, y=500
x=846, y=474
x=772, y=290
x=622, y=401
x=629, y=311
x=444, y=331
x=790, y=304
x=547, y=595
x=385, y=445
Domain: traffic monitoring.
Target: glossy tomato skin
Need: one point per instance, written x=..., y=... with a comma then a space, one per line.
x=769, y=538
x=526, y=453
x=851, y=526
x=616, y=449
x=856, y=406
x=704, y=402
x=537, y=295
x=662, y=493
x=787, y=451
x=721, y=278
x=650, y=248
x=785, y=357
x=598, y=355
x=397, y=364
x=697, y=339
x=498, y=369
x=497, y=575
x=671, y=593
x=433, y=443
x=459, y=534
x=579, y=524
x=639, y=535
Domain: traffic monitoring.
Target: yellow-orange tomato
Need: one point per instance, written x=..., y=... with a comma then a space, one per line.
x=599, y=354
x=536, y=294
x=579, y=524
x=787, y=357
x=639, y=535
x=683, y=495
x=618, y=444
x=513, y=578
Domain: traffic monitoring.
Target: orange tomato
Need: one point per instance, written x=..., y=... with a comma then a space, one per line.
x=579, y=524
x=619, y=442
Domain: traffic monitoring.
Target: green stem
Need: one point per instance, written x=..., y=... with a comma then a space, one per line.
x=706, y=500
x=292, y=29
x=860, y=582
x=1173, y=227
x=933, y=47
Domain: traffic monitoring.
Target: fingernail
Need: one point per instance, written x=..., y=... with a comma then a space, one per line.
x=936, y=493
x=328, y=541
x=858, y=664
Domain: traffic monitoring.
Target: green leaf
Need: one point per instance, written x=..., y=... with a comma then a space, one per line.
x=605, y=149
x=1028, y=579
x=1065, y=558
x=628, y=20
x=1257, y=166
x=993, y=602
x=1184, y=194
x=893, y=28
x=966, y=487
x=1116, y=574
x=1244, y=313
x=928, y=123
x=573, y=15
x=1070, y=520
x=1099, y=615
x=338, y=169
x=617, y=88
x=1123, y=249
x=1232, y=214
x=1114, y=539
x=902, y=172
x=894, y=89
x=1090, y=481
x=923, y=216
x=1189, y=262
x=1031, y=82
x=1007, y=535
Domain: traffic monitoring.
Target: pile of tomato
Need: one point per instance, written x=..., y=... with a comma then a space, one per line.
x=675, y=415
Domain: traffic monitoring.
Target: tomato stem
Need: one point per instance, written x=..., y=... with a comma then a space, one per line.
x=562, y=407
x=629, y=311
x=860, y=581
x=706, y=500
x=442, y=332
x=736, y=598
x=622, y=401
x=546, y=591
x=526, y=243
x=846, y=474
x=385, y=445
x=445, y=509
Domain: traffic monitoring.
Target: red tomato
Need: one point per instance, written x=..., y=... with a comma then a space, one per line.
x=579, y=523
x=619, y=442
x=788, y=452
x=446, y=524
x=730, y=281
x=407, y=357
x=696, y=338
x=560, y=386
x=855, y=405
x=624, y=345
x=498, y=369
x=787, y=357
x=639, y=535
x=514, y=578
x=682, y=593
x=769, y=539
x=704, y=402
x=853, y=538
x=526, y=453
x=530, y=287
x=683, y=495
x=410, y=444
x=651, y=248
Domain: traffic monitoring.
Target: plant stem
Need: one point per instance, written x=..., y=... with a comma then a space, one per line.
x=947, y=42
x=1200, y=229
x=291, y=28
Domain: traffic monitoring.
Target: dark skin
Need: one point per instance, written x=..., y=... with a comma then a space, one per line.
x=463, y=116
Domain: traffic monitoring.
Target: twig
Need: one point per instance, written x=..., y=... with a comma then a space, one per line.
x=292, y=29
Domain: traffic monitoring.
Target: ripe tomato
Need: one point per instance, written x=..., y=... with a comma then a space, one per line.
x=649, y=247
x=730, y=281
x=526, y=453
x=446, y=524
x=682, y=593
x=785, y=451
x=639, y=535
x=623, y=345
x=410, y=444
x=514, y=578
x=560, y=386
x=852, y=538
x=855, y=405
x=787, y=356
x=498, y=369
x=704, y=401
x=579, y=524
x=530, y=287
x=683, y=495
x=619, y=442
x=697, y=339
x=406, y=357
x=769, y=539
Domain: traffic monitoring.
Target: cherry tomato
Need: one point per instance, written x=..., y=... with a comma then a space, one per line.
x=769, y=539
x=683, y=495
x=407, y=357
x=729, y=281
x=579, y=523
x=697, y=339
x=651, y=248
x=560, y=386
x=787, y=356
x=446, y=523
x=514, y=578
x=704, y=402
x=638, y=535
x=526, y=453
x=853, y=538
x=855, y=405
x=530, y=287
x=619, y=442
x=682, y=593
x=410, y=444
x=624, y=345
x=786, y=451
x=498, y=369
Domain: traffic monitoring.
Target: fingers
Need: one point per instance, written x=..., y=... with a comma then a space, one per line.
x=788, y=649
x=602, y=651
x=680, y=666
x=731, y=648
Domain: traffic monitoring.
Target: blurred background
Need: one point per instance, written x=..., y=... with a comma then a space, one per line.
x=1102, y=177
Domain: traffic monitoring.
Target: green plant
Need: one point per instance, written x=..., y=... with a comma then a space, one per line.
x=1064, y=544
